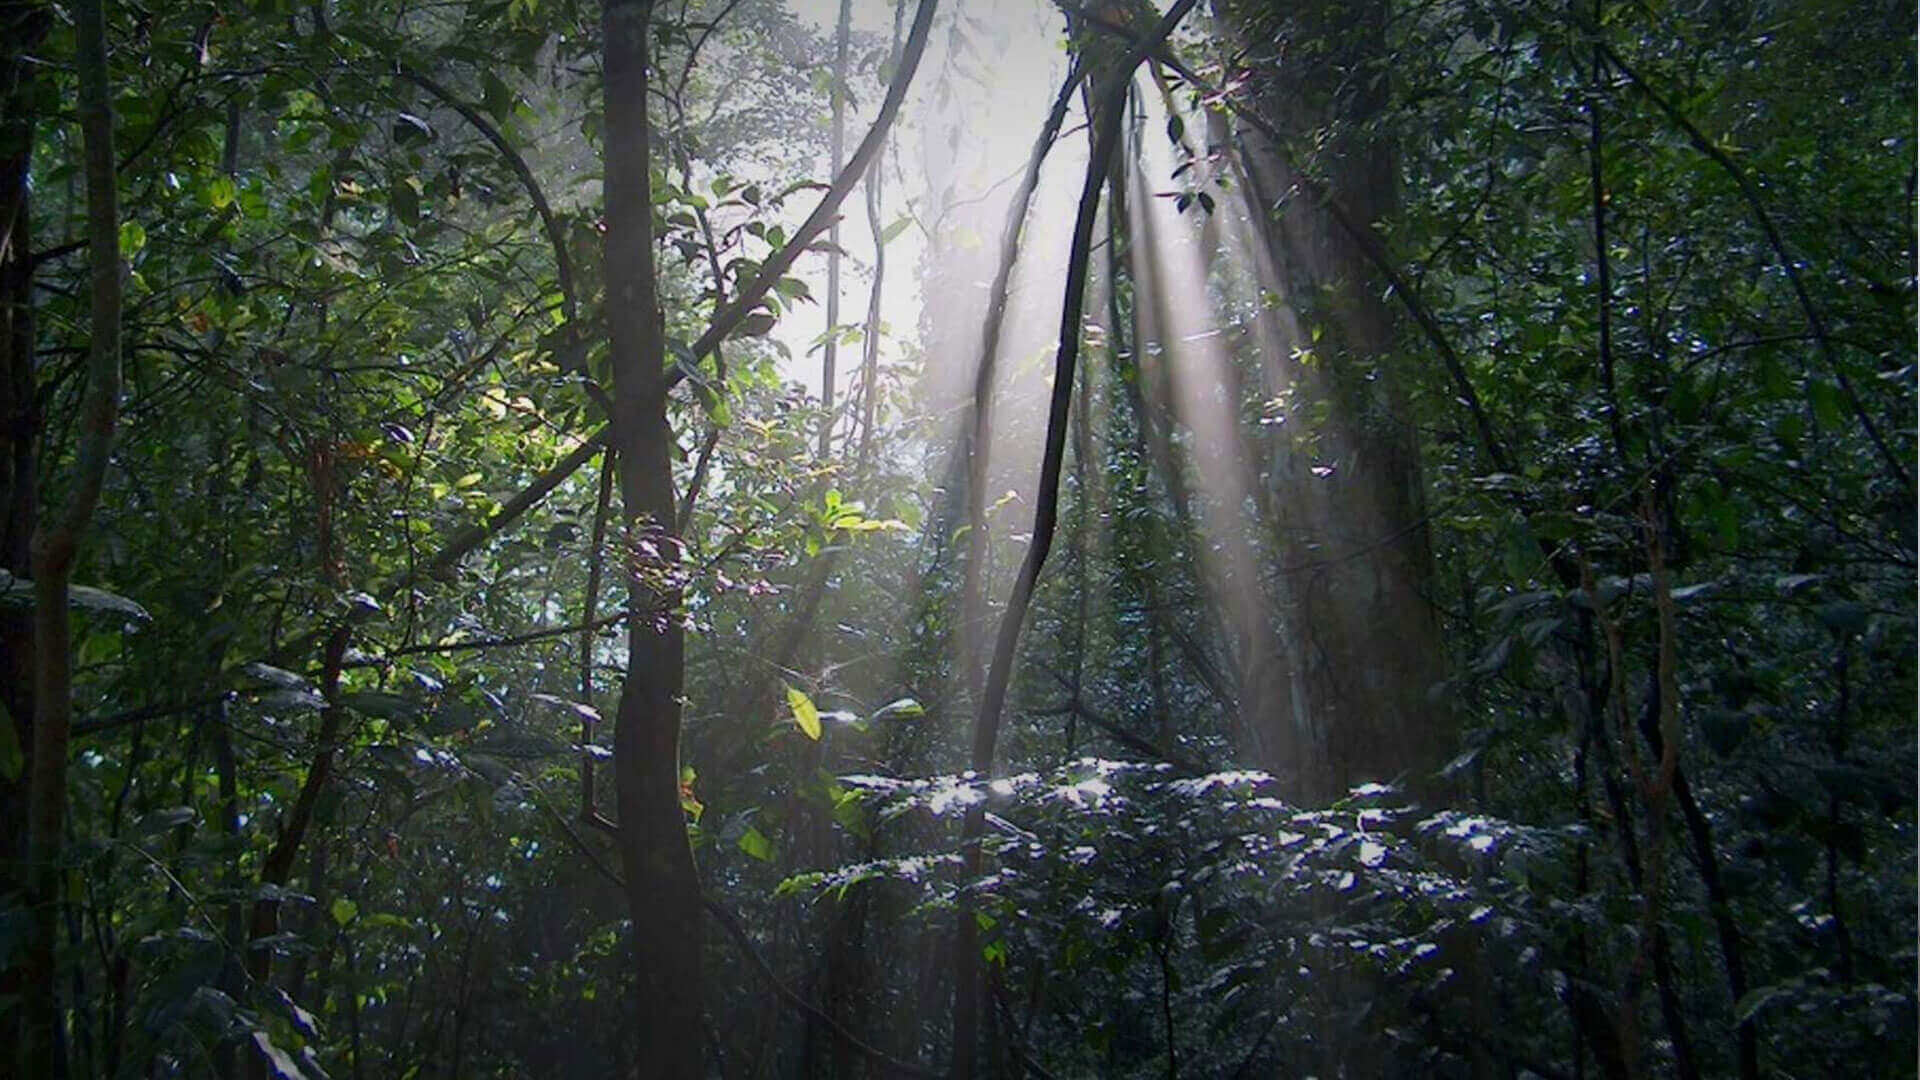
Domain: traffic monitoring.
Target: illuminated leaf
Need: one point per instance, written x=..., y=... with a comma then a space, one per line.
x=279, y=1065
x=805, y=715
x=755, y=843
x=904, y=707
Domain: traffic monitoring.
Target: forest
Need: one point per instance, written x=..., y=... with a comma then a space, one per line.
x=757, y=539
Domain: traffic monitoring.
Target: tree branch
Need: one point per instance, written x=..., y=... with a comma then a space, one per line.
x=96, y=725
x=824, y=214
x=1106, y=110
x=1815, y=323
x=978, y=431
x=571, y=359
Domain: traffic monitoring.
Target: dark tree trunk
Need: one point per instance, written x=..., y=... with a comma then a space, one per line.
x=22, y=26
x=663, y=887
x=1353, y=580
x=56, y=542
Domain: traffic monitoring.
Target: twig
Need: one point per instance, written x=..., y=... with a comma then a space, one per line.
x=97, y=725
x=527, y=638
x=1815, y=323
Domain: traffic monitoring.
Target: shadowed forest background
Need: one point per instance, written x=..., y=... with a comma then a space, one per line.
x=729, y=538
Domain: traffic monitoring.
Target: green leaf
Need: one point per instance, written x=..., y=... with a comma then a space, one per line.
x=279, y=1065
x=278, y=678
x=11, y=759
x=303, y=1021
x=410, y=128
x=891, y=232
x=405, y=197
x=18, y=592
x=343, y=911
x=1826, y=402
x=806, y=716
x=903, y=708
x=275, y=701
x=384, y=705
x=83, y=596
x=498, y=99
x=798, y=883
x=132, y=238
x=714, y=405
x=579, y=710
x=1754, y=1000
x=758, y=324
x=755, y=843
x=162, y=820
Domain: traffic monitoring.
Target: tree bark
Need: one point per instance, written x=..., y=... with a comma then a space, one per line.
x=830, y=352
x=56, y=541
x=978, y=433
x=1107, y=109
x=663, y=888
x=1365, y=711
x=870, y=345
x=22, y=27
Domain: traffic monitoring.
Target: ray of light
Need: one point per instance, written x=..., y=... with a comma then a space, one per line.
x=1186, y=339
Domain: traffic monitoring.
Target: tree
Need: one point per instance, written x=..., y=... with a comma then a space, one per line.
x=1353, y=698
x=1571, y=346
x=55, y=540
x=657, y=865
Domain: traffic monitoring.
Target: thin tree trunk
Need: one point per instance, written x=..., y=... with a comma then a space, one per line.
x=23, y=25
x=830, y=352
x=978, y=432
x=277, y=869
x=870, y=345
x=1707, y=860
x=1107, y=110
x=232, y=974
x=596, y=558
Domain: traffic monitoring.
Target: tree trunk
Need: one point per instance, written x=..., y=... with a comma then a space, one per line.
x=830, y=352
x=1106, y=108
x=56, y=541
x=1354, y=582
x=663, y=888
x=22, y=26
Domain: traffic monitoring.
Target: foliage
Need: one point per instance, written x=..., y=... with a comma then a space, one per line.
x=365, y=310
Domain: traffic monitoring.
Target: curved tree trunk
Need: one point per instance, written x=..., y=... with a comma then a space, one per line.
x=56, y=541
x=1107, y=106
x=663, y=887
x=830, y=351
